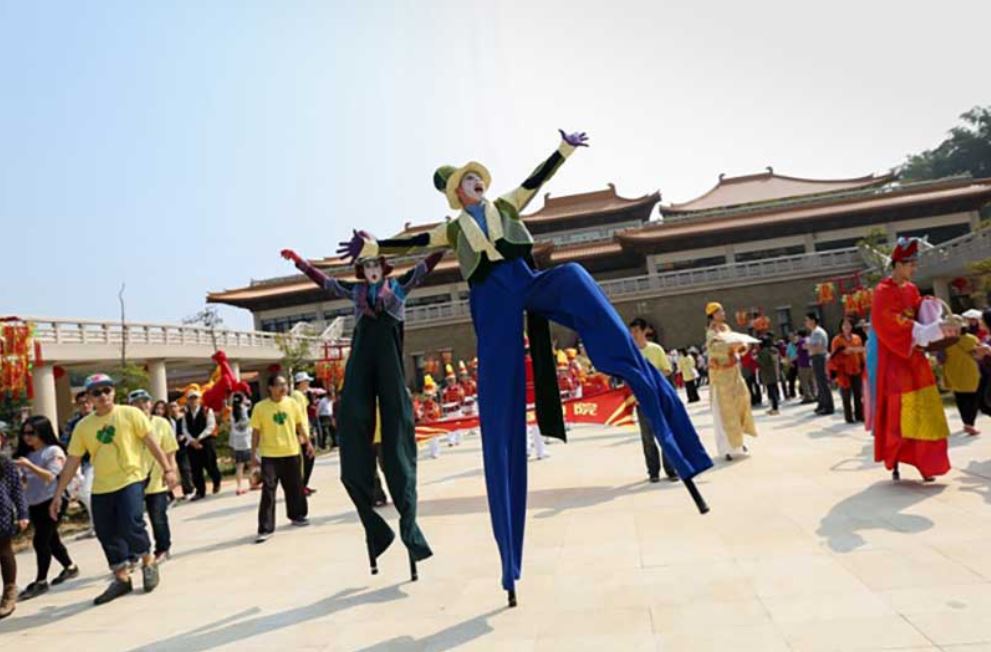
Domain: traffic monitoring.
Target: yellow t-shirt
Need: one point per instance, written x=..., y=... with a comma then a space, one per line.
x=161, y=433
x=115, y=443
x=276, y=423
x=304, y=403
x=960, y=372
x=656, y=356
x=686, y=365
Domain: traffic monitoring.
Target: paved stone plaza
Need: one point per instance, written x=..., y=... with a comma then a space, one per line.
x=809, y=546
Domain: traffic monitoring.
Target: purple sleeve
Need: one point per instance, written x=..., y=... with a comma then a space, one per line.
x=338, y=289
x=415, y=276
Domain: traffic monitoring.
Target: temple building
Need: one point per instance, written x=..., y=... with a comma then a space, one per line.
x=758, y=242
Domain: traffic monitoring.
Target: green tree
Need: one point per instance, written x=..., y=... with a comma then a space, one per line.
x=129, y=377
x=966, y=150
x=295, y=354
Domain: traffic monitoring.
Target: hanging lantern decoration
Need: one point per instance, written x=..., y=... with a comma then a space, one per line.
x=18, y=355
x=761, y=322
x=850, y=304
x=825, y=293
x=274, y=368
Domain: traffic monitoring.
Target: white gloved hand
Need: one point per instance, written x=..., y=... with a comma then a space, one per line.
x=925, y=334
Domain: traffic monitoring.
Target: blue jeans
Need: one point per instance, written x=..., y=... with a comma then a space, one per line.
x=118, y=518
x=157, y=505
x=569, y=296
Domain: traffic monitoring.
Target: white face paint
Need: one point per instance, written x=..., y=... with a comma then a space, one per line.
x=472, y=187
x=373, y=271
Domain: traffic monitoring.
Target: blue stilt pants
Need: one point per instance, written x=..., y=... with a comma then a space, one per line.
x=569, y=296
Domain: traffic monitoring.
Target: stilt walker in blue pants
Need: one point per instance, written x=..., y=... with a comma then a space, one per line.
x=493, y=248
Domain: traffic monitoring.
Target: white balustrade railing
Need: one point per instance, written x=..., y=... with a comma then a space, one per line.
x=953, y=255
x=82, y=331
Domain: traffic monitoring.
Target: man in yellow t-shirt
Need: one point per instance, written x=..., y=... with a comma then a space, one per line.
x=655, y=355
x=157, y=493
x=962, y=377
x=115, y=437
x=277, y=435
x=300, y=394
x=686, y=365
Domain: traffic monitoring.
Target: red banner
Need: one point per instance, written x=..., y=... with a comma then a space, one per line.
x=612, y=408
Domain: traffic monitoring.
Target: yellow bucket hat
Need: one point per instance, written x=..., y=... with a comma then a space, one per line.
x=712, y=308
x=447, y=178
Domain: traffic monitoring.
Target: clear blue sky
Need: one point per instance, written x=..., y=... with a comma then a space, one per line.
x=177, y=146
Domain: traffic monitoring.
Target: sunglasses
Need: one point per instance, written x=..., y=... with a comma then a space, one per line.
x=100, y=391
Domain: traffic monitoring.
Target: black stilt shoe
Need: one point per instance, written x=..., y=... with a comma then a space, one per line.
x=412, y=569
x=895, y=475
x=512, y=597
x=371, y=561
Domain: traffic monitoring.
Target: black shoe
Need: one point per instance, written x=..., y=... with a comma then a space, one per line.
x=33, y=590
x=655, y=478
x=301, y=522
x=149, y=577
x=729, y=458
x=197, y=497
x=67, y=573
x=673, y=478
x=116, y=589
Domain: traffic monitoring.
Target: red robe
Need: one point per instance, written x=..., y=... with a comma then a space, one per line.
x=909, y=423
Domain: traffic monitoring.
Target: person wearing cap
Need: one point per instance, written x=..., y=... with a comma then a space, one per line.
x=115, y=437
x=277, y=439
x=494, y=252
x=197, y=429
x=909, y=421
x=157, y=492
x=301, y=394
x=962, y=374
x=375, y=376
x=732, y=414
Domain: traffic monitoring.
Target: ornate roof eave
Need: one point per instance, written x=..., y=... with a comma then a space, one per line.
x=828, y=187
x=939, y=192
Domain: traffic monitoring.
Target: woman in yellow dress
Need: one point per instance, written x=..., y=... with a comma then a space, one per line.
x=728, y=393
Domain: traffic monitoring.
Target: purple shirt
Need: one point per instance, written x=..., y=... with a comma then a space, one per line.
x=804, y=361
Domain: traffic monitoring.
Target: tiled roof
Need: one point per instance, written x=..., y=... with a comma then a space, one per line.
x=965, y=189
x=768, y=186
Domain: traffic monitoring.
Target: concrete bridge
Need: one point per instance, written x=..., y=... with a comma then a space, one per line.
x=168, y=350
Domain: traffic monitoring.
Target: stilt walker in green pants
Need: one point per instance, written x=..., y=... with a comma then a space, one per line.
x=374, y=372
x=493, y=247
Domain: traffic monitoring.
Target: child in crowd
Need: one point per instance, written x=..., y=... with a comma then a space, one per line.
x=769, y=371
x=240, y=437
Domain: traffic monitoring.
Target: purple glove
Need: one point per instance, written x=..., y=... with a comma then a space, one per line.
x=577, y=139
x=351, y=250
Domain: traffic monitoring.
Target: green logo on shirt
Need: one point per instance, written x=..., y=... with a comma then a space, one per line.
x=105, y=435
x=280, y=417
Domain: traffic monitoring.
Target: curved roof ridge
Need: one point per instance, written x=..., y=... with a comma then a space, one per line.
x=762, y=193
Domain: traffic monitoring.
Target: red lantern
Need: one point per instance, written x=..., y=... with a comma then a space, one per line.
x=274, y=368
x=58, y=372
x=826, y=293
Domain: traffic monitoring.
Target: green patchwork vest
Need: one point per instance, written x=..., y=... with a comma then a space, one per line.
x=475, y=263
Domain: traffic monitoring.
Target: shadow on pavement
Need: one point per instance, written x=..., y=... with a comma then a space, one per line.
x=44, y=617
x=445, y=639
x=878, y=507
x=239, y=627
x=977, y=479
